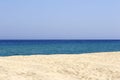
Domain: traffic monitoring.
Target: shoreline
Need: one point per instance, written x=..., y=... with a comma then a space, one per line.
x=100, y=66
x=60, y=54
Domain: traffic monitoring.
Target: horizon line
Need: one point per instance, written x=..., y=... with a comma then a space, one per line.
x=59, y=39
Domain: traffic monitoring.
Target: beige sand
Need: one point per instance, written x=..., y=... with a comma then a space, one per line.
x=98, y=66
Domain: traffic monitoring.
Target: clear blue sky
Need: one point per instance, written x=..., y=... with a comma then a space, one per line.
x=59, y=19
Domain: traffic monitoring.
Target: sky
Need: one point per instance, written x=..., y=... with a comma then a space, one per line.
x=59, y=19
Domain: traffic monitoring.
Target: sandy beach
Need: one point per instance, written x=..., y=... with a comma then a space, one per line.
x=95, y=66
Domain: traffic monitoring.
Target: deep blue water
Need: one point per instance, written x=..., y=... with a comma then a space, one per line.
x=30, y=47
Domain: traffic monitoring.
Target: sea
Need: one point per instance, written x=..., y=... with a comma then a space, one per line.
x=47, y=47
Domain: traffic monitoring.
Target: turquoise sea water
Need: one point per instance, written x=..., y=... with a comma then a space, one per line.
x=30, y=47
